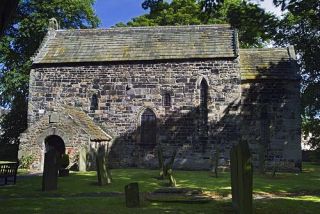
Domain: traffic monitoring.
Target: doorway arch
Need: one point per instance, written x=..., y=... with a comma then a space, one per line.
x=148, y=131
x=55, y=142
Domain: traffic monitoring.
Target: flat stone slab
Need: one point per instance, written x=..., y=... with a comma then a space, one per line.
x=188, y=191
x=180, y=195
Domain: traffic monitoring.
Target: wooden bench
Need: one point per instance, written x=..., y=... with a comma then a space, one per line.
x=8, y=170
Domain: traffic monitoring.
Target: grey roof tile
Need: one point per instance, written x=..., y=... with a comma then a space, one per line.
x=140, y=43
x=268, y=63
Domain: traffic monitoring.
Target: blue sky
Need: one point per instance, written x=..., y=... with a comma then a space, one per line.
x=114, y=11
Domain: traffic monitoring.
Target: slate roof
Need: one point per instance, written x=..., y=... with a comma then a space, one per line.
x=84, y=122
x=138, y=43
x=268, y=63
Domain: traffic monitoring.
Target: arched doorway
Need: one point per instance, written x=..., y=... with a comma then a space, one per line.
x=55, y=142
x=148, y=128
x=54, y=148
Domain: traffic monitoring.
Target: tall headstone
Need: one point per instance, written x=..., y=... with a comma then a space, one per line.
x=83, y=160
x=241, y=178
x=103, y=172
x=132, y=195
x=50, y=171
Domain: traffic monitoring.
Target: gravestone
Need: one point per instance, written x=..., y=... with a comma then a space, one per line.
x=50, y=171
x=161, y=163
x=82, y=160
x=241, y=178
x=215, y=161
x=169, y=171
x=132, y=195
x=178, y=195
x=103, y=172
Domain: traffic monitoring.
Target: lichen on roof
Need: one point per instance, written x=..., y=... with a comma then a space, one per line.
x=268, y=63
x=137, y=43
x=86, y=123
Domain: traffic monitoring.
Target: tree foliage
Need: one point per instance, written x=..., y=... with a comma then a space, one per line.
x=20, y=41
x=255, y=25
x=300, y=27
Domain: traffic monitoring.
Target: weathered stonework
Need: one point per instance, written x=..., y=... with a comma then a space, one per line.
x=61, y=103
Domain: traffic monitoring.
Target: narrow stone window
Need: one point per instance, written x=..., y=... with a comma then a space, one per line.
x=167, y=100
x=94, y=102
x=203, y=96
x=204, y=103
x=148, y=128
x=203, y=110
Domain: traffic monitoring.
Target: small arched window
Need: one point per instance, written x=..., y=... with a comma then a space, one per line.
x=204, y=94
x=94, y=102
x=204, y=103
x=167, y=100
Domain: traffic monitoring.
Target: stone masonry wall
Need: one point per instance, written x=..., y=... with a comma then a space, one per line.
x=32, y=141
x=125, y=90
x=271, y=122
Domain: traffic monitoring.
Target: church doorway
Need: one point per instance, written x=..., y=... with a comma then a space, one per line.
x=54, y=148
x=55, y=142
x=148, y=128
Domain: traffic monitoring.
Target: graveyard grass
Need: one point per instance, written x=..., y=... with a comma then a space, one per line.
x=79, y=193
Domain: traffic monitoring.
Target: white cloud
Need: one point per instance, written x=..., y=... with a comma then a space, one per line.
x=268, y=6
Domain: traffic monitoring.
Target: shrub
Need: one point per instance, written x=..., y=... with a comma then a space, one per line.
x=26, y=161
x=315, y=155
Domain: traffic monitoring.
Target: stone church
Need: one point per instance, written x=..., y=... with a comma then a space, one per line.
x=188, y=89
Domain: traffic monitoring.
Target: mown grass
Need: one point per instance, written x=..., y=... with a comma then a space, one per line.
x=79, y=193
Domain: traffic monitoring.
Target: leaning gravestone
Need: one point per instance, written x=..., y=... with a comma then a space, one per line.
x=161, y=163
x=241, y=178
x=50, y=171
x=132, y=195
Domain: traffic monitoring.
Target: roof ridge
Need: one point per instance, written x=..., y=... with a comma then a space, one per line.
x=263, y=49
x=211, y=26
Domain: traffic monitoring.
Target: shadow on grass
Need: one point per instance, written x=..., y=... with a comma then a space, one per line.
x=286, y=205
x=79, y=193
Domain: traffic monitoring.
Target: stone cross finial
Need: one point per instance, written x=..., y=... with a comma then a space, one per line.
x=53, y=24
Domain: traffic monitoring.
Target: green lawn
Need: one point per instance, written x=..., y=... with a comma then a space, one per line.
x=79, y=193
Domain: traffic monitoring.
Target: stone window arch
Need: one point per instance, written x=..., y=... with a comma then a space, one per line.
x=94, y=102
x=203, y=108
x=148, y=129
x=166, y=99
x=204, y=94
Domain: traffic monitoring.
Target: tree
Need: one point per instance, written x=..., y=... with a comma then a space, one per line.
x=256, y=27
x=300, y=27
x=19, y=43
x=6, y=12
x=177, y=12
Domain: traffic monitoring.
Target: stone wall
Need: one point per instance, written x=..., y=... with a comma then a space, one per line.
x=271, y=122
x=263, y=111
x=125, y=90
